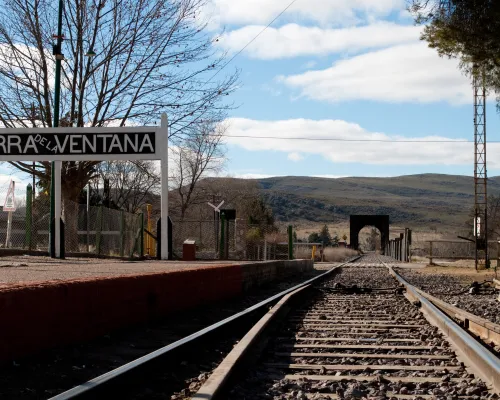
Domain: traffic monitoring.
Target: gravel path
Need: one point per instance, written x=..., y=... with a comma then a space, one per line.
x=446, y=287
x=341, y=334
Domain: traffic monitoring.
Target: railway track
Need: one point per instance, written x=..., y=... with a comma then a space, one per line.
x=356, y=331
x=357, y=335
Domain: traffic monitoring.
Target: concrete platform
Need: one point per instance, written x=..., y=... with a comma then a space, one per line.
x=29, y=270
x=46, y=303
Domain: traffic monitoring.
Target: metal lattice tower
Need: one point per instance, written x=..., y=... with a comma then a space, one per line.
x=480, y=175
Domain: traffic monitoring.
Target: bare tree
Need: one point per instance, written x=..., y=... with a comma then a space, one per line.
x=152, y=56
x=131, y=184
x=203, y=154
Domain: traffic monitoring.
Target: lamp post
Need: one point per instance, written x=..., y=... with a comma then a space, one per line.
x=55, y=209
x=55, y=178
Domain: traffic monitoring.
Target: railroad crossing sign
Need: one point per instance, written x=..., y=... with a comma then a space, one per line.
x=216, y=208
x=10, y=200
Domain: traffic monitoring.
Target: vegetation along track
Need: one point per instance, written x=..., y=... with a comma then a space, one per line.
x=378, y=340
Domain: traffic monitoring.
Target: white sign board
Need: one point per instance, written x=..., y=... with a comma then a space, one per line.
x=82, y=144
x=10, y=200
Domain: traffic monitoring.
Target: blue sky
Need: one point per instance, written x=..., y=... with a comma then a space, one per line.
x=352, y=69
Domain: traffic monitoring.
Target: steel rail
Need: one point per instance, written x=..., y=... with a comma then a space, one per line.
x=482, y=361
x=485, y=329
x=96, y=387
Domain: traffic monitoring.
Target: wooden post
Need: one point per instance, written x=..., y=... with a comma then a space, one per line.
x=430, y=253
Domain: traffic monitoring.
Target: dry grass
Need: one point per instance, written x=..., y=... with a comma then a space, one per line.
x=304, y=253
x=330, y=254
x=338, y=254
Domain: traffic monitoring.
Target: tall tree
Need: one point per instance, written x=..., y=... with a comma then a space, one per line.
x=324, y=236
x=468, y=30
x=203, y=154
x=151, y=56
x=131, y=184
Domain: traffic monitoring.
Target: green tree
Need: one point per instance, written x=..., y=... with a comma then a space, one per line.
x=468, y=30
x=372, y=240
x=314, y=238
x=335, y=240
x=324, y=236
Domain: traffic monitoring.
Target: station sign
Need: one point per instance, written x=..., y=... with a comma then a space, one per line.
x=71, y=144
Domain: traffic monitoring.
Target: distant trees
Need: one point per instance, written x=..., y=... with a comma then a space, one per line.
x=324, y=236
x=203, y=154
x=373, y=240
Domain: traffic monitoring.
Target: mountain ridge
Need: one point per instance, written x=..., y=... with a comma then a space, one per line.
x=418, y=199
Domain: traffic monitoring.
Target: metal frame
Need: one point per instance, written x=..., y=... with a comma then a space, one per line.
x=480, y=173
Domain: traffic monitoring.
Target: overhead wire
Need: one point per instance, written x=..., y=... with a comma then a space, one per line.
x=342, y=139
x=242, y=50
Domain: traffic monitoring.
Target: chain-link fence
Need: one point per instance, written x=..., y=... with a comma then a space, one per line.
x=102, y=231
x=238, y=240
x=28, y=226
x=99, y=230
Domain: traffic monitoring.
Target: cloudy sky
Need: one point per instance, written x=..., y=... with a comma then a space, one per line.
x=350, y=70
x=347, y=70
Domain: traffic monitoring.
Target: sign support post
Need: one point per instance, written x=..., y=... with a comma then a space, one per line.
x=164, y=186
x=57, y=207
x=10, y=207
x=9, y=230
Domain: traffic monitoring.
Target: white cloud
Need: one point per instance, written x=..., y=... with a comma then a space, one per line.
x=404, y=73
x=294, y=40
x=394, y=152
x=295, y=157
x=326, y=12
x=254, y=176
x=309, y=64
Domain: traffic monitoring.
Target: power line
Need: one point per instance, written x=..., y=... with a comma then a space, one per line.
x=251, y=41
x=345, y=140
x=242, y=50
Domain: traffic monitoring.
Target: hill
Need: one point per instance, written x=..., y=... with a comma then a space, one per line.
x=415, y=200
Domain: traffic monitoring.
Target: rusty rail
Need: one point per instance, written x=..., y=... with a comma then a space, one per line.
x=483, y=361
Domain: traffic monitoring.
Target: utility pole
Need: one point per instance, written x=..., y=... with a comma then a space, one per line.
x=480, y=173
x=55, y=179
x=480, y=228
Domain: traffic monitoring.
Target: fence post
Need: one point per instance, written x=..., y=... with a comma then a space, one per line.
x=29, y=217
x=98, y=230
x=401, y=246
x=290, y=242
x=430, y=253
x=122, y=233
x=222, y=250
x=141, y=237
x=265, y=250
x=498, y=258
